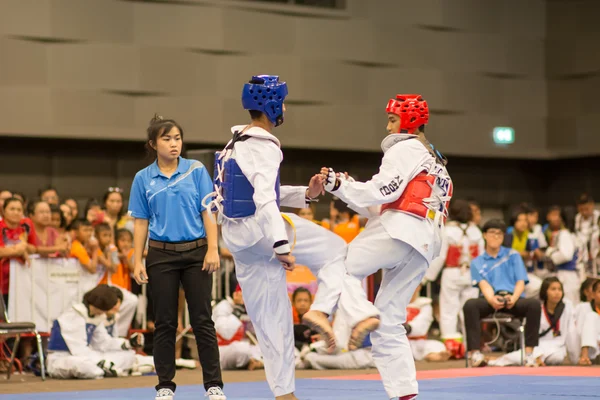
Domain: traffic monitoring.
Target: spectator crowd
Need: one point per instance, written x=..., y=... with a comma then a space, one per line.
x=540, y=268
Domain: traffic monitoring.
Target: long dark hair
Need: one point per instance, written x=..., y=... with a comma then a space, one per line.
x=546, y=285
x=589, y=282
x=159, y=127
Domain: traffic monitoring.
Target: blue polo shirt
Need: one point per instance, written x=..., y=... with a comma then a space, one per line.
x=501, y=272
x=171, y=205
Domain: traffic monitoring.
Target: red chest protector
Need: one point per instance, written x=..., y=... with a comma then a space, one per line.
x=455, y=252
x=411, y=313
x=420, y=188
x=239, y=335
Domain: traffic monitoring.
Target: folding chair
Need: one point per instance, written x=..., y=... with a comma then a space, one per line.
x=498, y=320
x=8, y=328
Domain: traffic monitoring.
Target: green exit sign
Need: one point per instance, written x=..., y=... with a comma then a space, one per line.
x=504, y=135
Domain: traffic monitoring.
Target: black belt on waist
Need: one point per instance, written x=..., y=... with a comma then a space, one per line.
x=179, y=247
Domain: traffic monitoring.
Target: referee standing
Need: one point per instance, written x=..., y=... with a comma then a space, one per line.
x=166, y=201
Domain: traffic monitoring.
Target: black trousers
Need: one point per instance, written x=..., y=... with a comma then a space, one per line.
x=166, y=271
x=476, y=309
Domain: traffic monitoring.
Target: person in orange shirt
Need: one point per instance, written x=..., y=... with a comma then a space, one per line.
x=82, y=232
x=116, y=260
x=308, y=213
x=343, y=221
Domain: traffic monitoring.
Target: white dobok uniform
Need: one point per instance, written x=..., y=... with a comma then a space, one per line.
x=142, y=363
x=586, y=332
x=260, y=275
x=79, y=342
x=343, y=358
x=235, y=349
x=420, y=317
x=562, y=251
x=413, y=190
x=588, y=232
x=461, y=243
x=552, y=346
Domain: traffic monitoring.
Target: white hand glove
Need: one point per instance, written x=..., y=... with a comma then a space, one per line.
x=331, y=181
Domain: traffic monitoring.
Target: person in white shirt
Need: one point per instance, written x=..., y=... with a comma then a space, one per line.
x=234, y=331
x=418, y=321
x=562, y=255
x=587, y=230
x=407, y=204
x=79, y=345
x=584, y=343
x=555, y=328
x=262, y=240
x=462, y=241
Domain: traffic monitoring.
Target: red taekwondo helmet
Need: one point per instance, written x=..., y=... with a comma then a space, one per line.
x=412, y=110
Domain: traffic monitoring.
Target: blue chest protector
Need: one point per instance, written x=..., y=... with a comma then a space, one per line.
x=57, y=342
x=235, y=188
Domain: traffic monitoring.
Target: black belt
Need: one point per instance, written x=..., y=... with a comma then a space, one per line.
x=179, y=247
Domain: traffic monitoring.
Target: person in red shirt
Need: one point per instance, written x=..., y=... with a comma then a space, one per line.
x=17, y=239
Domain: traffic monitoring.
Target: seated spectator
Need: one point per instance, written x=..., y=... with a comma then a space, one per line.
x=108, y=256
x=4, y=195
x=21, y=197
x=72, y=204
x=79, y=345
x=587, y=229
x=586, y=290
x=67, y=213
x=17, y=242
x=82, y=242
x=343, y=221
x=476, y=212
x=419, y=317
x=233, y=325
x=301, y=302
x=555, y=328
x=112, y=203
x=562, y=255
x=308, y=213
x=521, y=240
x=501, y=276
x=57, y=219
x=461, y=243
x=49, y=241
x=93, y=212
x=49, y=195
x=585, y=346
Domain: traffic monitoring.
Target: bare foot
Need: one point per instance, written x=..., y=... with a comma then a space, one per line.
x=360, y=332
x=585, y=361
x=290, y=396
x=255, y=364
x=318, y=321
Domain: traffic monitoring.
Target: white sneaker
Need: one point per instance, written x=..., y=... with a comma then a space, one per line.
x=164, y=394
x=478, y=360
x=215, y=393
x=183, y=363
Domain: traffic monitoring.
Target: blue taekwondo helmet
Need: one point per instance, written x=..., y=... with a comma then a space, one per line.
x=266, y=94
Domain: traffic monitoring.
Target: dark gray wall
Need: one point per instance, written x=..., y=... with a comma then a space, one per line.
x=83, y=169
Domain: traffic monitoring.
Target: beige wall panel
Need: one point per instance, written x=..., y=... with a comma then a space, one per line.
x=25, y=111
x=94, y=66
x=177, y=72
x=258, y=33
x=81, y=108
x=335, y=39
x=26, y=18
x=200, y=117
x=112, y=21
x=22, y=63
x=406, y=12
x=181, y=26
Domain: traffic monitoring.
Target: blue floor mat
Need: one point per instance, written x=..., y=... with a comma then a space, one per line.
x=513, y=387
